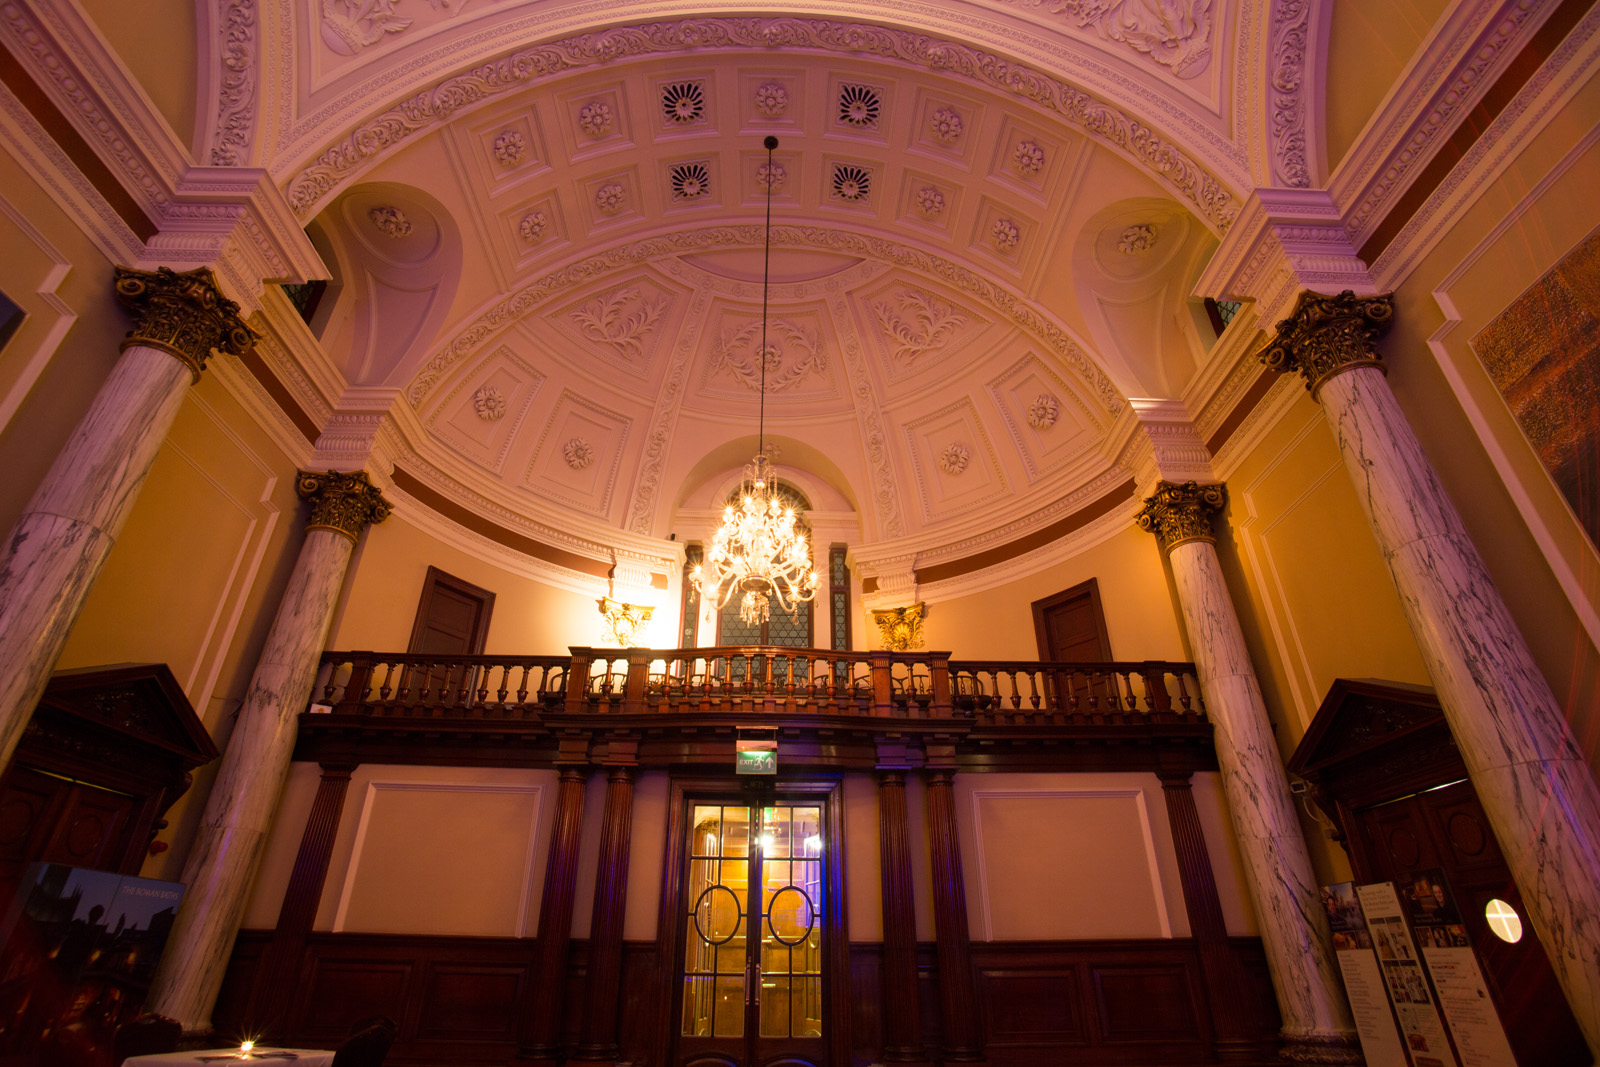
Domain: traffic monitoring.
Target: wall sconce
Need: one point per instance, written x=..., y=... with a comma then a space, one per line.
x=901, y=627
x=623, y=621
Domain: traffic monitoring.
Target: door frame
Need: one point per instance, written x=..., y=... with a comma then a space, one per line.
x=828, y=790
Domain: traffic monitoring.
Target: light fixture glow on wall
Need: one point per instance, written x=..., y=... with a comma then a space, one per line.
x=759, y=552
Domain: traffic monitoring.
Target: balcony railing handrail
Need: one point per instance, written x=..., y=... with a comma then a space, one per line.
x=758, y=678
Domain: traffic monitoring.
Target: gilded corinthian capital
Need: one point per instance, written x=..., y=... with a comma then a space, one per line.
x=181, y=314
x=1178, y=513
x=1327, y=334
x=346, y=503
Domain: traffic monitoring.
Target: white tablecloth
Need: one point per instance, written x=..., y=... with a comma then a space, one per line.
x=303, y=1057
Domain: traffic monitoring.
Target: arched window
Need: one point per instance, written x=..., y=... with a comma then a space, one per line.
x=787, y=629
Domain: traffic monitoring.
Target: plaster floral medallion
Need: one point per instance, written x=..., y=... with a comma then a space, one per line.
x=509, y=146
x=930, y=201
x=390, y=221
x=1137, y=240
x=609, y=197
x=945, y=125
x=1044, y=411
x=683, y=101
x=533, y=225
x=578, y=452
x=851, y=183
x=1028, y=158
x=771, y=176
x=772, y=100
x=690, y=181
x=1004, y=234
x=489, y=403
x=859, y=106
x=594, y=118
x=954, y=458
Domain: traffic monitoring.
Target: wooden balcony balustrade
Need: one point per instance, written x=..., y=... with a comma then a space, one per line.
x=765, y=679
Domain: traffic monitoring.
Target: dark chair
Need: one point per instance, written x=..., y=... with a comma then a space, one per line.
x=366, y=1046
x=148, y=1035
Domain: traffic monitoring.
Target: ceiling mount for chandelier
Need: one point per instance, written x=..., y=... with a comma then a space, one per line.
x=760, y=552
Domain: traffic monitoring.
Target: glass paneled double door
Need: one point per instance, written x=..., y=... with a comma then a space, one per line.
x=752, y=974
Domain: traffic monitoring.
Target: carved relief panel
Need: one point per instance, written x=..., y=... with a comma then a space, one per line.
x=956, y=466
x=579, y=454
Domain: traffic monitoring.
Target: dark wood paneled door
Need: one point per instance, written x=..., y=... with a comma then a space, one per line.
x=56, y=819
x=757, y=920
x=1446, y=828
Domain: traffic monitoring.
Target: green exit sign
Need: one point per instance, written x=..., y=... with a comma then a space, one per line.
x=756, y=761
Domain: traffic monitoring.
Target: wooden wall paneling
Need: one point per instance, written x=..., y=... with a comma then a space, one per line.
x=598, y=1042
x=962, y=1040
x=902, y=1042
x=542, y=1012
x=1147, y=1005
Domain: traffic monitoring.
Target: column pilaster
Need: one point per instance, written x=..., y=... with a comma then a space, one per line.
x=603, y=989
x=1316, y=1020
x=1527, y=768
x=962, y=1039
x=541, y=1030
x=902, y=1029
x=238, y=813
x=67, y=529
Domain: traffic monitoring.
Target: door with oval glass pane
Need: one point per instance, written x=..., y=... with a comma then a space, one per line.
x=752, y=989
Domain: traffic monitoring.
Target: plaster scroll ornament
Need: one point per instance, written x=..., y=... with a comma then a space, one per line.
x=532, y=226
x=901, y=628
x=945, y=125
x=919, y=323
x=930, y=201
x=771, y=176
x=579, y=453
x=489, y=403
x=1004, y=234
x=1137, y=240
x=390, y=221
x=1028, y=158
x=594, y=118
x=236, y=100
x=772, y=100
x=1174, y=33
x=509, y=146
x=1044, y=411
x=621, y=319
x=954, y=458
x=348, y=26
x=791, y=355
x=609, y=197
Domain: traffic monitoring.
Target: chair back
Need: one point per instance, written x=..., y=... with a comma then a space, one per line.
x=148, y=1035
x=366, y=1047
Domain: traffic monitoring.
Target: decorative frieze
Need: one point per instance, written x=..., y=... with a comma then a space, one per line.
x=1328, y=334
x=1180, y=513
x=183, y=314
x=344, y=502
x=901, y=628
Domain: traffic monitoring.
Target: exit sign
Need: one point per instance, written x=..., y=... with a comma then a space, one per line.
x=756, y=761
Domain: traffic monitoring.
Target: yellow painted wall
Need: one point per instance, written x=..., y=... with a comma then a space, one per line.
x=1370, y=42
x=157, y=41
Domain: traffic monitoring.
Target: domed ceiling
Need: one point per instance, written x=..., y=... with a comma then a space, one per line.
x=557, y=273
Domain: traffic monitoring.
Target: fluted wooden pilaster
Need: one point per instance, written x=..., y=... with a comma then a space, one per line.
x=603, y=989
x=541, y=1039
x=962, y=1040
x=902, y=1022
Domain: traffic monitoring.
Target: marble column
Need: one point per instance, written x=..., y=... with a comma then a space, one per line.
x=542, y=1018
x=902, y=1030
x=961, y=1037
x=603, y=990
x=1529, y=773
x=67, y=529
x=1317, y=1027
x=238, y=813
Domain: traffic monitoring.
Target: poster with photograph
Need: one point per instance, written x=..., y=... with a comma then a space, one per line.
x=1421, y=1028
x=1453, y=965
x=1363, y=981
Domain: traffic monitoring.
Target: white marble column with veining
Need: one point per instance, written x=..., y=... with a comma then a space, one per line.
x=1532, y=779
x=67, y=529
x=1317, y=1026
x=233, y=830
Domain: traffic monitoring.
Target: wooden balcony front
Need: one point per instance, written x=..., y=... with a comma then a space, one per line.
x=828, y=703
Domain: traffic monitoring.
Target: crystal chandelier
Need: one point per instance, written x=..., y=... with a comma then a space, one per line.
x=759, y=552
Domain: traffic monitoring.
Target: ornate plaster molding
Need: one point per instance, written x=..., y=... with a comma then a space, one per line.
x=1213, y=199
x=624, y=621
x=184, y=315
x=1175, y=35
x=1290, y=92
x=1328, y=334
x=234, y=124
x=344, y=503
x=1177, y=514
x=1003, y=301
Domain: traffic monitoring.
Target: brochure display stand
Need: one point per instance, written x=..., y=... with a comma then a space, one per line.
x=1420, y=1025
x=1363, y=980
x=1475, y=1026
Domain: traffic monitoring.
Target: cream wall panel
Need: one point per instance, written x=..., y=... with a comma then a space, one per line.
x=998, y=623
x=1068, y=856
x=433, y=863
x=157, y=41
x=31, y=274
x=594, y=804
x=921, y=860
x=647, y=855
x=863, y=858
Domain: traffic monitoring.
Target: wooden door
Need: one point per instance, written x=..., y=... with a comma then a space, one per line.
x=1445, y=827
x=58, y=820
x=452, y=620
x=1071, y=628
x=759, y=932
